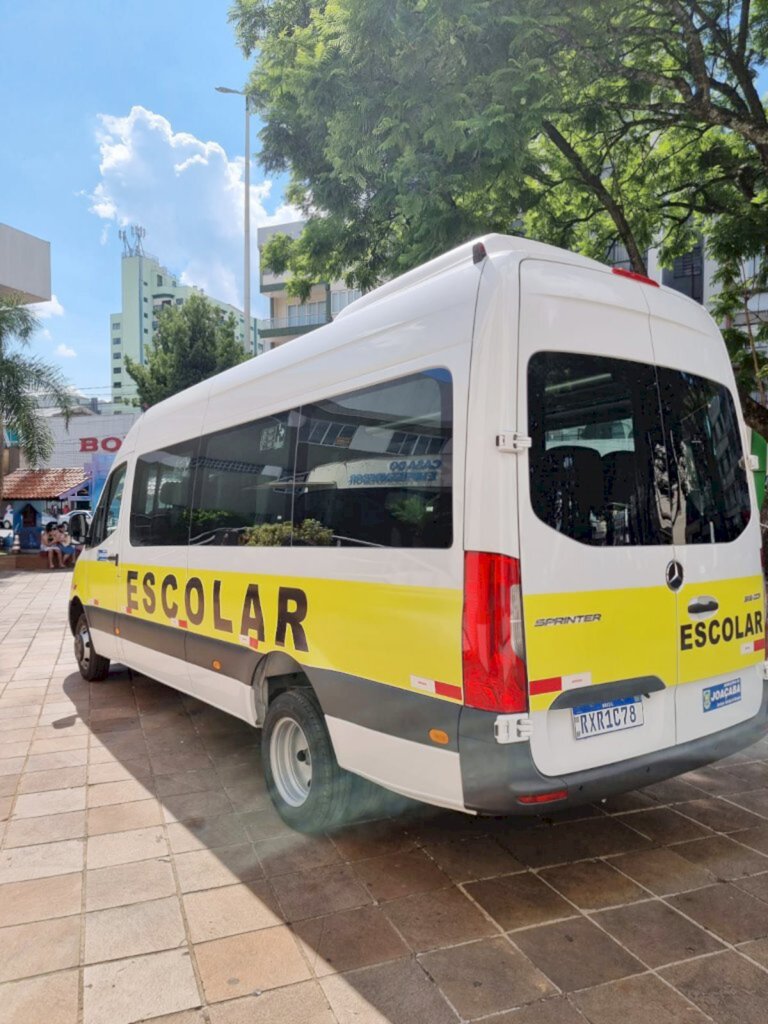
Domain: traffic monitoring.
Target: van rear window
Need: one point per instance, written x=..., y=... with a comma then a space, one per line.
x=624, y=453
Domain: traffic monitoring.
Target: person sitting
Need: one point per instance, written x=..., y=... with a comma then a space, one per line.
x=49, y=546
x=66, y=546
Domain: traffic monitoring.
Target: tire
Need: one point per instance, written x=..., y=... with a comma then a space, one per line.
x=92, y=666
x=308, y=788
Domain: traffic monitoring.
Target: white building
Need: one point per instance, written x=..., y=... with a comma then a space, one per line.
x=288, y=316
x=25, y=265
x=147, y=287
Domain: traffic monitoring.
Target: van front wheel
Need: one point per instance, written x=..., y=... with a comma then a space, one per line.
x=307, y=786
x=93, y=666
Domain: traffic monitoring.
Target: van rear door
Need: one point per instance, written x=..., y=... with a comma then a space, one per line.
x=600, y=620
x=715, y=526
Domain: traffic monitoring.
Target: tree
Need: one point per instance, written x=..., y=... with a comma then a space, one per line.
x=410, y=125
x=23, y=379
x=192, y=343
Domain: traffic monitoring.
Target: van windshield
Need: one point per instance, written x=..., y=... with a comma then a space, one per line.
x=624, y=453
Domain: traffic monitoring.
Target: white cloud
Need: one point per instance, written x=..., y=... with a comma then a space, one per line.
x=187, y=193
x=46, y=310
x=64, y=352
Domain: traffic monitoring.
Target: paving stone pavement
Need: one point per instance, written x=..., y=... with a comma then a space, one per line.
x=144, y=876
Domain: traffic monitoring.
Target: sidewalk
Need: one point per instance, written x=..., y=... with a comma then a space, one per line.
x=144, y=875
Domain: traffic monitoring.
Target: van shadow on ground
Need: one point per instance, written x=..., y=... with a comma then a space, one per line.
x=377, y=919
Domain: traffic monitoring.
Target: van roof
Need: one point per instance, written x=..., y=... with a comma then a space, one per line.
x=182, y=413
x=494, y=245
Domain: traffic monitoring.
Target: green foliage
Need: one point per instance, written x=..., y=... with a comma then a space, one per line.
x=23, y=380
x=409, y=126
x=192, y=343
x=413, y=511
x=203, y=518
x=270, y=535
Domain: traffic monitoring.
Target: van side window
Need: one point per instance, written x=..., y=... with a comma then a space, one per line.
x=107, y=513
x=161, y=494
x=244, y=484
x=373, y=466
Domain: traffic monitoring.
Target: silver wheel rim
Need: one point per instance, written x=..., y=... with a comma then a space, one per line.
x=291, y=763
x=83, y=647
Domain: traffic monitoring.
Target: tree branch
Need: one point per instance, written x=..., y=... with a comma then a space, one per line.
x=596, y=186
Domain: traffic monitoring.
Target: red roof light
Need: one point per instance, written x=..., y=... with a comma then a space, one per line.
x=634, y=277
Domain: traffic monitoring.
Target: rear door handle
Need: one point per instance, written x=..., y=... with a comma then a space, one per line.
x=700, y=605
x=113, y=558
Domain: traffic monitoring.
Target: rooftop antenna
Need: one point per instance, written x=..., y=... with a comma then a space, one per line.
x=138, y=233
x=122, y=234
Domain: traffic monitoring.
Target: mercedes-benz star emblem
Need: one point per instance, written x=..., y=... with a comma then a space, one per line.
x=674, y=575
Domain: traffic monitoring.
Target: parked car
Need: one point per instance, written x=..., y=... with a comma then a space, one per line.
x=6, y=534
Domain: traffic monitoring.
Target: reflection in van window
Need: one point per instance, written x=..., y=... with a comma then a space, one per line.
x=159, y=508
x=107, y=514
x=373, y=467
x=704, y=445
x=244, y=484
x=623, y=453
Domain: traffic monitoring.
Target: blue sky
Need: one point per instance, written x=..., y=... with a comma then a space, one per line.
x=108, y=114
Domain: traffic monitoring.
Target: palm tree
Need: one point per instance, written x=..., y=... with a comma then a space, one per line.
x=23, y=378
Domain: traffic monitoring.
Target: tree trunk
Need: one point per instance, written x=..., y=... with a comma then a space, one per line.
x=595, y=185
x=756, y=415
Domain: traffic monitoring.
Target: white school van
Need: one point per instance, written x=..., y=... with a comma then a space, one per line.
x=488, y=540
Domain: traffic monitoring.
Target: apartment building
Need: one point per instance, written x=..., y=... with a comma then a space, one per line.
x=146, y=288
x=288, y=317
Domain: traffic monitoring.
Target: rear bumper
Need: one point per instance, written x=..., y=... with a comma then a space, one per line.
x=496, y=775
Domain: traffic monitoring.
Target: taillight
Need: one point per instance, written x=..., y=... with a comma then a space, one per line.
x=493, y=648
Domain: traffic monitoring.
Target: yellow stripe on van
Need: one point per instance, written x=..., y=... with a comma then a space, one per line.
x=607, y=635
x=604, y=634
x=383, y=632
x=720, y=643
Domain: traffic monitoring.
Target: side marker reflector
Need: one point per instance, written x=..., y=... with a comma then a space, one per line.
x=539, y=686
x=543, y=798
x=448, y=690
x=439, y=736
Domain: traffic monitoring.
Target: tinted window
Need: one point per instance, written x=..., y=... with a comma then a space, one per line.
x=374, y=466
x=244, y=484
x=160, y=505
x=710, y=491
x=78, y=527
x=625, y=454
x=107, y=513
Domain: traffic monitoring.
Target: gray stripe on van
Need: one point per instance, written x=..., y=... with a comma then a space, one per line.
x=388, y=709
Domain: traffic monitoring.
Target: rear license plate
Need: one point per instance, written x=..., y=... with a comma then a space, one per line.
x=714, y=697
x=609, y=716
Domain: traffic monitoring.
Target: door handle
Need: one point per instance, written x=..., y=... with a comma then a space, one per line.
x=113, y=558
x=699, y=605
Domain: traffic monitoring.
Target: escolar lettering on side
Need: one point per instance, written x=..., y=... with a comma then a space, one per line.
x=290, y=613
x=701, y=634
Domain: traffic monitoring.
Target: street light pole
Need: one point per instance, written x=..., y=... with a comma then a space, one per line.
x=250, y=341
x=247, y=234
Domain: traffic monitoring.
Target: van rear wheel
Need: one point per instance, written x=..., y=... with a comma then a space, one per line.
x=307, y=786
x=92, y=666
